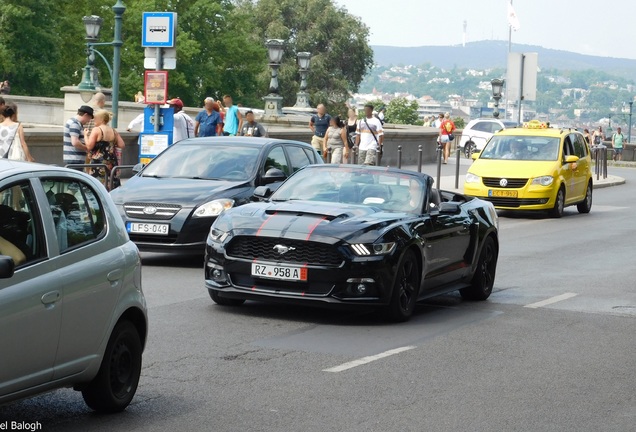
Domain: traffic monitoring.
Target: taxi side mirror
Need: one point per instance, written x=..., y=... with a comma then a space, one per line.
x=474, y=156
x=570, y=159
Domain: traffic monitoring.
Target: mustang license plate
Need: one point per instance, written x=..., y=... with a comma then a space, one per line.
x=287, y=273
x=503, y=193
x=147, y=228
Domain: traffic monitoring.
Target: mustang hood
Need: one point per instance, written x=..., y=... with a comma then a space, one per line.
x=186, y=192
x=304, y=220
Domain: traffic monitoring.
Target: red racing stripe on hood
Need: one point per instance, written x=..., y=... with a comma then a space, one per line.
x=264, y=223
x=314, y=226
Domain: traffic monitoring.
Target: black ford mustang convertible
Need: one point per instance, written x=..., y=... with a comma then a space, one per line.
x=353, y=235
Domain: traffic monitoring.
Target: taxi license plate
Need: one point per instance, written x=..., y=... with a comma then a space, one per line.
x=147, y=228
x=503, y=193
x=287, y=273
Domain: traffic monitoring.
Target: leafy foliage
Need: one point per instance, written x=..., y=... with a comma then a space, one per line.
x=401, y=111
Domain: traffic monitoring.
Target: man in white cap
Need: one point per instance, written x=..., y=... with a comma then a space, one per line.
x=183, y=124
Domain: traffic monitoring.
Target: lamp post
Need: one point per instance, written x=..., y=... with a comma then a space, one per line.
x=497, y=85
x=302, y=98
x=629, y=131
x=90, y=80
x=274, y=102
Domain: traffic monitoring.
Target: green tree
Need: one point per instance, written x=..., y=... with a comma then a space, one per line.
x=401, y=111
x=338, y=42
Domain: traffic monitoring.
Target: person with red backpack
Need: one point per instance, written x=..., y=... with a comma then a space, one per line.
x=446, y=130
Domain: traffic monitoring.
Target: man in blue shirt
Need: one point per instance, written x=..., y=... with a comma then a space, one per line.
x=206, y=121
x=233, y=118
x=319, y=124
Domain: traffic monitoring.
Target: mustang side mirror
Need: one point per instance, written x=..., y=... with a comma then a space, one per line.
x=137, y=168
x=451, y=208
x=273, y=175
x=262, y=192
x=7, y=267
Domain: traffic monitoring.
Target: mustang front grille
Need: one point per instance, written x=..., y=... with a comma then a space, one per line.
x=282, y=250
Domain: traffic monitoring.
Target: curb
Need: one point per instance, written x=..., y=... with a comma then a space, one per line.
x=619, y=181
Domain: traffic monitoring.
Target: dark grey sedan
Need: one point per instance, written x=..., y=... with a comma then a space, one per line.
x=171, y=204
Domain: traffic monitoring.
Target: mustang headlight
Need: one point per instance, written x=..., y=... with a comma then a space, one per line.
x=472, y=178
x=362, y=249
x=543, y=181
x=213, y=208
x=217, y=236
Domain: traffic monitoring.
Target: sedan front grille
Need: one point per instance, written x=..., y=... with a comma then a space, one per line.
x=512, y=183
x=297, y=251
x=151, y=211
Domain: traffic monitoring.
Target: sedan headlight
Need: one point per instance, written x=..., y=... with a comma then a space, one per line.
x=472, y=178
x=362, y=249
x=213, y=208
x=543, y=180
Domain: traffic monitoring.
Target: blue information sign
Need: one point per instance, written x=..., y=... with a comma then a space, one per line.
x=158, y=29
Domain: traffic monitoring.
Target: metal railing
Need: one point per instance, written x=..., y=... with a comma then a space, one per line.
x=109, y=180
x=599, y=154
x=115, y=170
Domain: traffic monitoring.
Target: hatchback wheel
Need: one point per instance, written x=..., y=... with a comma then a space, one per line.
x=116, y=382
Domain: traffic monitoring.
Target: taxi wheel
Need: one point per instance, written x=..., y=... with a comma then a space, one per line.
x=559, y=204
x=586, y=205
x=224, y=301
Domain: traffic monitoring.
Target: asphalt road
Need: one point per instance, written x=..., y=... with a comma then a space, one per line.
x=553, y=349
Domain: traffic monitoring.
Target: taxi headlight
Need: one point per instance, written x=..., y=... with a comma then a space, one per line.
x=543, y=180
x=213, y=208
x=472, y=178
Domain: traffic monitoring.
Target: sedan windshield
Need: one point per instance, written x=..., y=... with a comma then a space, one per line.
x=206, y=161
x=524, y=148
x=388, y=191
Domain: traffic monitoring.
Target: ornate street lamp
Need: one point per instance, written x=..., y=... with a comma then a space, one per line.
x=273, y=102
x=302, y=98
x=497, y=85
x=90, y=81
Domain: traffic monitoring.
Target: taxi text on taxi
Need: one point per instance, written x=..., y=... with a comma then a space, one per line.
x=533, y=167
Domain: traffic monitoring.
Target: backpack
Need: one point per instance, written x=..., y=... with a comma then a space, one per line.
x=597, y=139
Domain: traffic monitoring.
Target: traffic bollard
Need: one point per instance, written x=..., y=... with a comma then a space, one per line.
x=399, y=163
x=459, y=155
x=419, y=158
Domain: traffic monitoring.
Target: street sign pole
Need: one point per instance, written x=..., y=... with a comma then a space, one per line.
x=157, y=106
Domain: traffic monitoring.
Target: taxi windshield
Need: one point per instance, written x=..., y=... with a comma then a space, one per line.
x=522, y=148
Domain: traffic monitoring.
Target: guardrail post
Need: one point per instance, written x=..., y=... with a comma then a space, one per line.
x=399, y=162
x=355, y=155
x=328, y=155
x=379, y=156
x=459, y=155
x=419, y=158
x=439, y=164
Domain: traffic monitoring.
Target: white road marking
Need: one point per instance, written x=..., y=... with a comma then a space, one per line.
x=368, y=359
x=551, y=300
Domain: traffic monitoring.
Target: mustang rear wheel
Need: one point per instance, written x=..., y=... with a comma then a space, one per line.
x=586, y=205
x=116, y=382
x=224, y=301
x=405, y=289
x=484, y=278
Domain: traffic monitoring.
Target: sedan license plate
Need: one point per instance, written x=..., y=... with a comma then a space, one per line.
x=147, y=228
x=287, y=273
x=503, y=193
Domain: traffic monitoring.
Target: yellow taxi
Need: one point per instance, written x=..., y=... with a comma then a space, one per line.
x=533, y=168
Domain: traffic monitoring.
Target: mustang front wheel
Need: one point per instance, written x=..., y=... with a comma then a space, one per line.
x=405, y=289
x=484, y=278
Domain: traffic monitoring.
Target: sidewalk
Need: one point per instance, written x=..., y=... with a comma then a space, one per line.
x=447, y=182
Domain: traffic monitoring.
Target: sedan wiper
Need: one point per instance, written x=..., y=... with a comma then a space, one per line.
x=151, y=175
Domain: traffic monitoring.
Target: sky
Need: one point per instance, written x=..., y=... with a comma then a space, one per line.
x=601, y=28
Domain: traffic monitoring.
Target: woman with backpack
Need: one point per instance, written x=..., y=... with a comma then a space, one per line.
x=446, y=130
x=597, y=137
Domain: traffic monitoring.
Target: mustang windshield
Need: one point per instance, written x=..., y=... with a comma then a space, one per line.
x=394, y=192
x=205, y=161
x=521, y=148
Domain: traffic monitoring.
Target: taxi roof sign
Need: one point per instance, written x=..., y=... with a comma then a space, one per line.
x=535, y=124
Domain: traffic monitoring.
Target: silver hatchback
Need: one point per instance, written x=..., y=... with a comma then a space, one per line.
x=72, y=311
